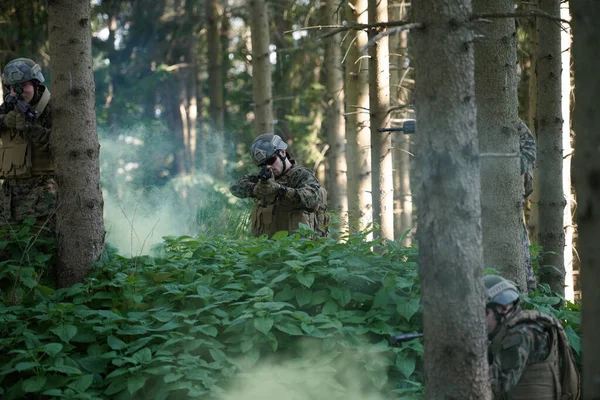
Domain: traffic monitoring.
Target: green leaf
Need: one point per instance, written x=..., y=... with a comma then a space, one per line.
x=159, y=370
x=330, y=307
x=218, y=355
x=290, y=329
x=263, y=324
x=34, y=384
x=405, y=364
x=319, y=297
x=52, y=349
x=306, y=279
x=280, y=277
x=407, y=308
x=115, y=343
x=24, y=366
x=280, y=235
x=144, y=356
x=303, y=297
x=207, y=330
x=65, y=332
x=82, y=383
x=93, y=364
x=135, y=383
x=172, y=377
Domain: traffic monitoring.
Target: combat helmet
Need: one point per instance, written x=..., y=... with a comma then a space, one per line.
x=499, y=291
x=265, y=146
x=21, y=70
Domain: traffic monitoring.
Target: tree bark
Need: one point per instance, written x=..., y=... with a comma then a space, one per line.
x=336, y=124
x=497, y=118
x=381, y=142
x=358, y=138
x=565, y=39
x=261, y=67
x=400, y=97
x=550, y=153
x=215, y=86
x=447, y=188
x=586, y=177
x=74, y=140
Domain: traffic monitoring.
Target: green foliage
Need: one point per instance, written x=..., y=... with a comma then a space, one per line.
x=183, y=324
x=25, y=253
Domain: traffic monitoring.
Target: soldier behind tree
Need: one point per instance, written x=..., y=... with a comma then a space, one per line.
x=291, y=195
x=528, y=154
x=26, y=168
x=529, y=354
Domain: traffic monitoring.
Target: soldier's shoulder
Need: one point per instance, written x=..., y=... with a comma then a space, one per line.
x=299, y=170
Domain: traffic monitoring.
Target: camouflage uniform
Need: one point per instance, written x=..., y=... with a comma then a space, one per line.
x=306, y=200
x=521, y=346
x=32, y=194
x=528, y=154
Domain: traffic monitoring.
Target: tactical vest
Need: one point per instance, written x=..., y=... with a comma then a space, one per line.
x=555, y=378
x=19, y=158
x=280, y=214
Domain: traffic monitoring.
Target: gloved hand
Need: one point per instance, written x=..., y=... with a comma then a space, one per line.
x=528, y=184
x=10, y=119
x=265, y=188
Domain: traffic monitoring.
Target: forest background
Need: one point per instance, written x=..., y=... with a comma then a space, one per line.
x=176, y=111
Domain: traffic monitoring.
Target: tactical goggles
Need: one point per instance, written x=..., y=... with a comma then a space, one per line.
x=270, y=161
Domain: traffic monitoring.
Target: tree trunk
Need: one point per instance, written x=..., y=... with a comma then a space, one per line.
x=336, y=124
x=261, y=67
x=497, y=118
x=400, y=97
x=74, y=140
x=586, y=176
x=550, y=153
x=565, y=36
x=533, y=222
x=358, y=138
x=381, y=142
x=447, y=189
x=215, y=86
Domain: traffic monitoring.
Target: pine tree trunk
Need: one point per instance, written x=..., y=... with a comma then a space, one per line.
x=400, y=97
x=336, y=124
x=358, y=139
x=447, y=188
x=381, y=142
x=566, y=89
x=497, y=118
x=261, y=67
x=533, y=222
x=215, y=87
x=550, y=153
x=586, y=176
x=74, y=140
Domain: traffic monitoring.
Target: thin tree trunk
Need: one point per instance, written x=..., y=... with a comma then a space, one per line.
x=550, y=155
x=74, y=140
x=497, y=118
x=565, y=36
x=358, y=138
x=261, y=67
x=586, y=176
x=400, y=97
x=533, y=222
x=381, y=142
x=336, y=124
x=215, y=85
x=447, y=188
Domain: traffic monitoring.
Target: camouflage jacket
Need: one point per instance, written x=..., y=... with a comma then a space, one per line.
x=41, y=141
x=519, y=347
x=308, y=194
x=527, y=148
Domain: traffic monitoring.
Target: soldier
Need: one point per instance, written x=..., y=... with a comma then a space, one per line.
x=529, y=353
x=287, y=194
x=528, y=154
x=27, y=169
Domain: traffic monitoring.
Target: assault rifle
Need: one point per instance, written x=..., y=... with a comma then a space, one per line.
x=264, y=175
x=404, y=337
x=24, y=107
x=408, y=127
